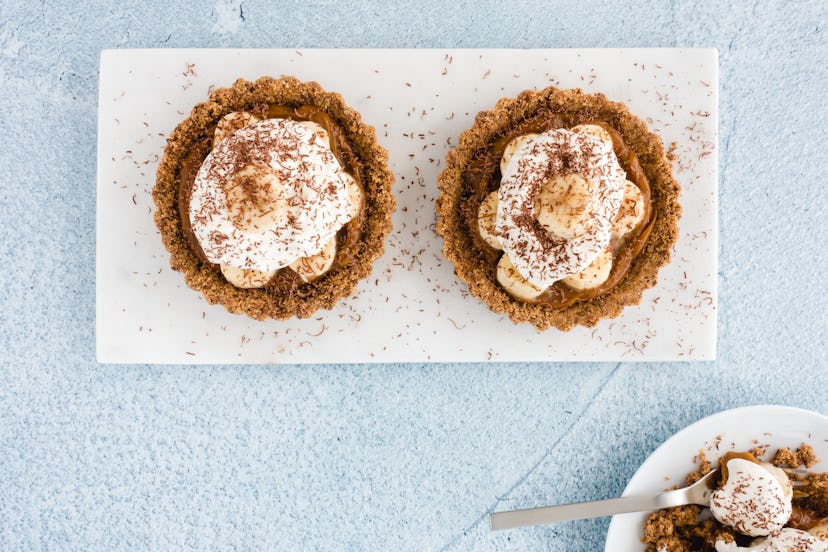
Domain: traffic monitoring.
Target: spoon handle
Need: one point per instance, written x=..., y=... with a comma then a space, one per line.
x=579, y=510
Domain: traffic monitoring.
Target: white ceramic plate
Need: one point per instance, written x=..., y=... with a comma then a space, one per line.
x=777, y=426
x=412, y=308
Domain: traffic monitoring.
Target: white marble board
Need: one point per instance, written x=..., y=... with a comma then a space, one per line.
x=411, y=309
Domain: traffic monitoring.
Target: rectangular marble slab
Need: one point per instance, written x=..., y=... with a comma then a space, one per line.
x=411, y=309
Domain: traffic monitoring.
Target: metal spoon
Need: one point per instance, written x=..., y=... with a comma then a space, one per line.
x=697, y=493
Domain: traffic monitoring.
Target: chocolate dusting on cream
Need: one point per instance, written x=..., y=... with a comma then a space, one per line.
x=540, y=256
x=293, y=196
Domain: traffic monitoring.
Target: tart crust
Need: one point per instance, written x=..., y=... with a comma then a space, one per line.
x=471, y=265
x=377, y=180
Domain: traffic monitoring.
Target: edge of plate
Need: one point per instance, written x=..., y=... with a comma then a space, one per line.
x=679, y=435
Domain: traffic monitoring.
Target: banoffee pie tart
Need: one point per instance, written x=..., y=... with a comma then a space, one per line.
x=558, y=208
x=273, y=198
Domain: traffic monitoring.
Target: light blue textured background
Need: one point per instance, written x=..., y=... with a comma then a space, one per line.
x=378, y=457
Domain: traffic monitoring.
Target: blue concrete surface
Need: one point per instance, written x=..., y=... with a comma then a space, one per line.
x=407, y=457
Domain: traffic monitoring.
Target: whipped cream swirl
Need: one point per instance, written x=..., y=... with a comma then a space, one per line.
x=268, y=194
x=539, y=252
x=752, y=500
x=787, y=540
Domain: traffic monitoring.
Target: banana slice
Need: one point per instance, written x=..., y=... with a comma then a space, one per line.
x=511, y=148
x=631, y=211
x=354, y=194
x=232, y=122
x=594, y=275
x=318, y=130
x=311, y=268
x=820, y=531
x=515, y=284
x=565, y=205
x=354, y=191
x=244, y=278
x=486, y=221
x=256, y=198
x=780, y=476
x=596, y=130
